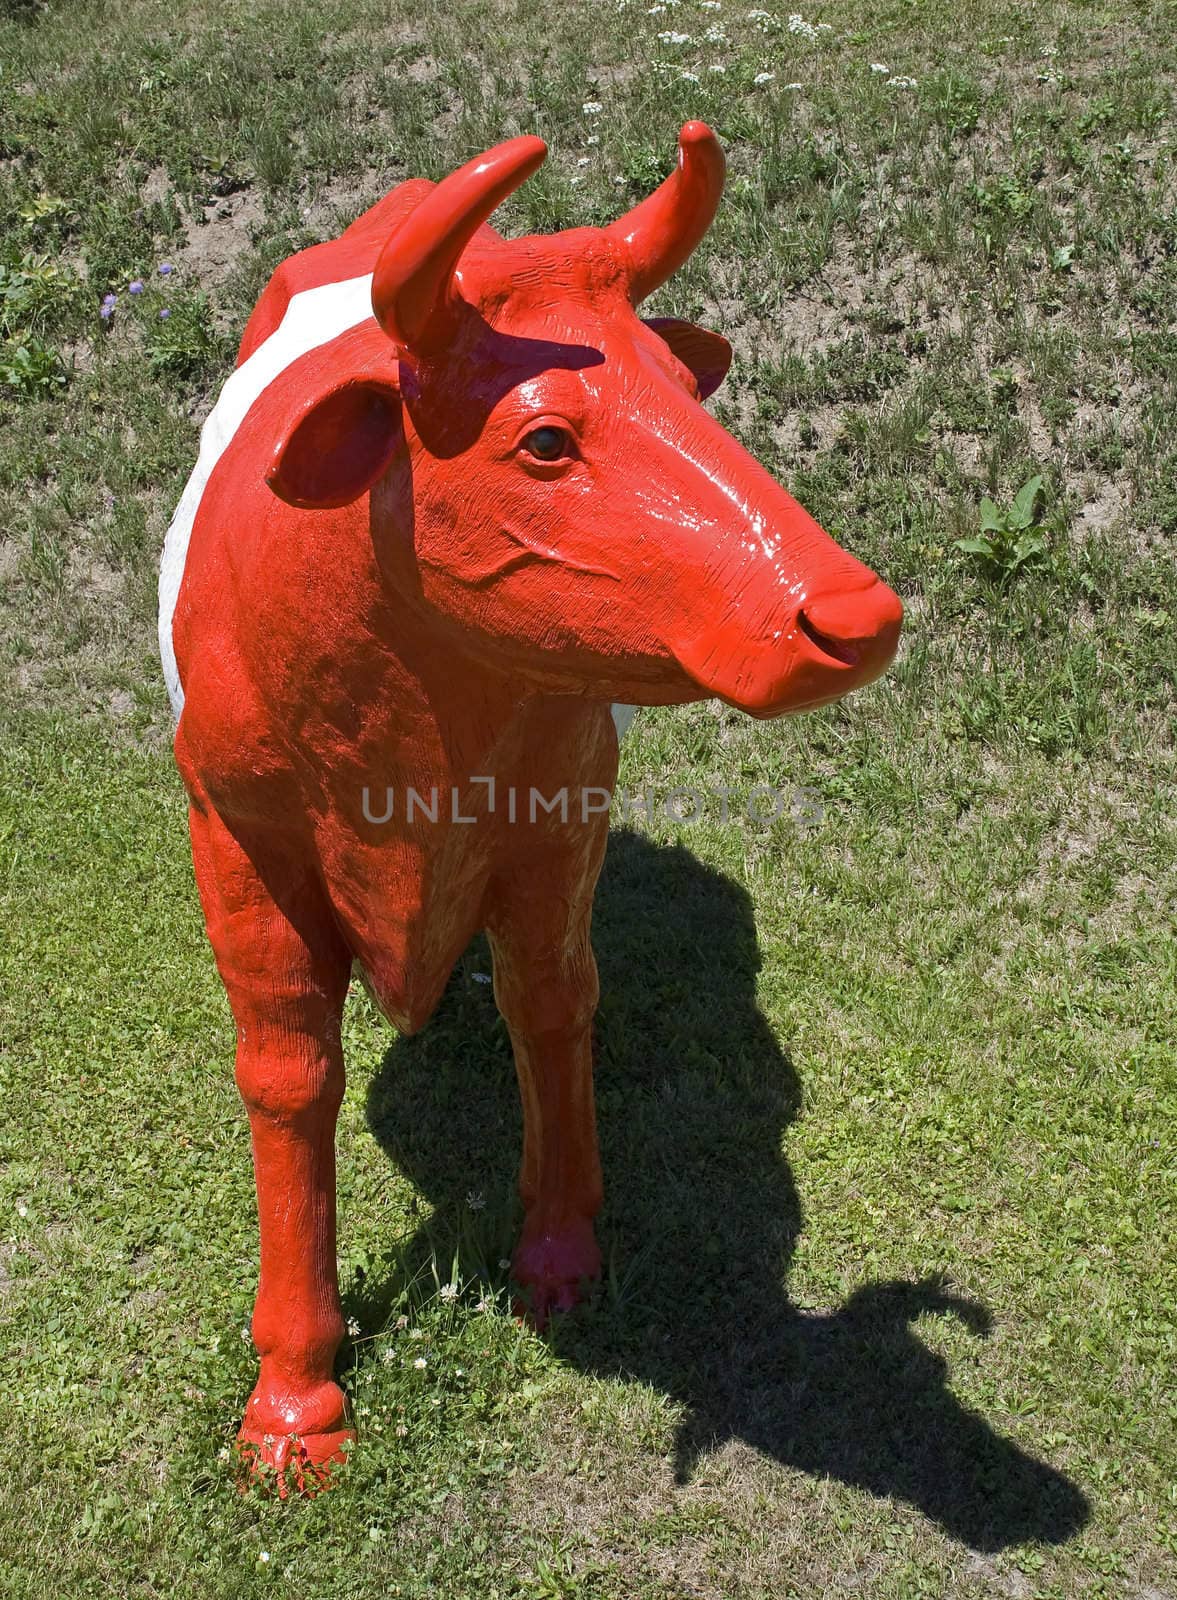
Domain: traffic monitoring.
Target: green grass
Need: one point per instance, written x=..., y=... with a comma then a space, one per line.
x=886, y=1100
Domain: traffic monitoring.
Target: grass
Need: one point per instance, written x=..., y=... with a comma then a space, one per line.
x=886, y=1090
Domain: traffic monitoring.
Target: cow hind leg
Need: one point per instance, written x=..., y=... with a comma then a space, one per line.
x=546, y=989
x=286, y=970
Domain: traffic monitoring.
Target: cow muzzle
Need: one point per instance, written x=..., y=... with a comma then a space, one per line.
x=828, y=645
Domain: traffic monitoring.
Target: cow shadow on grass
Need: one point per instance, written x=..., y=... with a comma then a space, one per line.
x=702, y=1216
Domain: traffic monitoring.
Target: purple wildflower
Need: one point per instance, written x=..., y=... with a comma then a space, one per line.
x=164, y=314
x=166, y=269
x=136, y=287
x=106, y=309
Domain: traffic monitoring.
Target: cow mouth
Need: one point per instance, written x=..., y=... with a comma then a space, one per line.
x=840, y=650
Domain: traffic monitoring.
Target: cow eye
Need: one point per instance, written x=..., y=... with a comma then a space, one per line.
x=547, y=443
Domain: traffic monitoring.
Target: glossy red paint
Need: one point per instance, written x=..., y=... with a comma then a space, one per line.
x=435, y=547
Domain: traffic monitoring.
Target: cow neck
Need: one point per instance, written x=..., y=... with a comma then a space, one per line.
x=451, y=716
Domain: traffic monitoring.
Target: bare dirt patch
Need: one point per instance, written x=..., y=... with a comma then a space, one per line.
x=337, y=203
x=156, y=186
x=217, y=238
x=821, y=430
x=1107, y=507
x=9, y=560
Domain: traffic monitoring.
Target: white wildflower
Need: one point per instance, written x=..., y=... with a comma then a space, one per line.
x=416, y=1333
x=22, y=1210
x=762, y=78
x=388, y=1355
x=582, y=161
x=420, y=1363
x=485, y=1304
x=448, y=1292
x=265, y=1556
x=591, y=107
x=593, y=138
x=353, y=1328
x=710, y=5
x=793, y=86
x=655, y=11
x=689, y=77
x=901, y=83
x=715, y=35
x=717, y=66
x=245, y=1335
x=879, y=66
x=799, y=26
x=825, y=27
x=674, y=38
x=223, y=1453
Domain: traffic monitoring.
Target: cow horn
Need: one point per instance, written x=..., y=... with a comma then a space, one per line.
x=413, y=293
x=660, y=233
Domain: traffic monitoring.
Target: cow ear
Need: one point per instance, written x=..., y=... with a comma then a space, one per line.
x=708, y=355
x=337, y=447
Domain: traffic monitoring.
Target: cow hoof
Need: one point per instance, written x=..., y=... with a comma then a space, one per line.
x=291, y=1442
x=552, y=1267
x=290, y=1462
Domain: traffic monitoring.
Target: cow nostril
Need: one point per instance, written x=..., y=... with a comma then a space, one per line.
x=840, y=649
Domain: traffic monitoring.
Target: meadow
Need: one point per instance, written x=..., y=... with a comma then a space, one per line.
x=886, y=1083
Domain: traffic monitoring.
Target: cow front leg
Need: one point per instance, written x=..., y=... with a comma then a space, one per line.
x=286, y=971
x=546, y=989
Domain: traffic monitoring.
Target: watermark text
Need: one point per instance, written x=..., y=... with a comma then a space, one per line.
x=684, y=805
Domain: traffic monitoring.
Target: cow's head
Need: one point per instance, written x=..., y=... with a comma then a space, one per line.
x=546, y=480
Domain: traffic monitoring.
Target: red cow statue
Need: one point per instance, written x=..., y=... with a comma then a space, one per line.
x=456, y=499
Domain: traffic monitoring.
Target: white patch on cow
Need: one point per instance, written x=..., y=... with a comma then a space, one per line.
x=312, y=317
